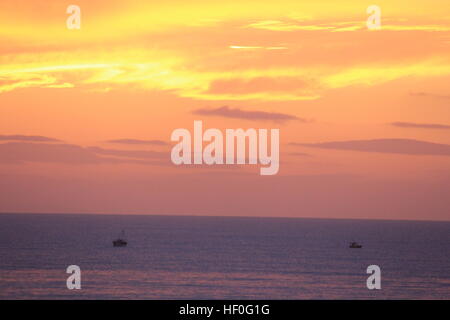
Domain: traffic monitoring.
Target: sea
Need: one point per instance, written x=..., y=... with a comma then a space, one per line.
x=199, y=257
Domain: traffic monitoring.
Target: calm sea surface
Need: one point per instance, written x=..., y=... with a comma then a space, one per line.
x=174, y=257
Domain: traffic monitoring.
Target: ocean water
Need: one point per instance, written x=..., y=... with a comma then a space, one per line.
x=176, y=257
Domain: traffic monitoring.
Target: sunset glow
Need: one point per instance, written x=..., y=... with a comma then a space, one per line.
x=364, y=115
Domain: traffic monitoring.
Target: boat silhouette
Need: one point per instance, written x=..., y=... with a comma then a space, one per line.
x=120, y=241
x=355, y=245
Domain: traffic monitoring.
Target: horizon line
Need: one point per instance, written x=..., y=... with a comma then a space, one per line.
x=215, y=216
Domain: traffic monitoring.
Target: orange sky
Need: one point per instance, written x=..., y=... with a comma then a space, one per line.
x=140, y=69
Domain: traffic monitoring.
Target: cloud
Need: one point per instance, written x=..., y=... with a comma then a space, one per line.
x=264, y=84
x=236, y=113
x=22, y=152
x=420, y=125
x=265, y=77
x=257, y=47
x=291, y=25
x=300, y=154
x=294, y=25
x=399, y=146
x=19, y=137
x=428, y=94
x=17, y=152
x=140, y=154
x=137, y=141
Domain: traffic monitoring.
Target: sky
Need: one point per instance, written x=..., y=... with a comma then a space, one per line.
x=86, y=114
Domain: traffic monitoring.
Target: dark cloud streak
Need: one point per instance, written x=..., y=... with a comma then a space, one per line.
x=138, y=142
x=398, y=146
x=19, y=137
x=429, y=94
x=141, y=154
x=24, y=152
x=420, y=125
x=236, y=113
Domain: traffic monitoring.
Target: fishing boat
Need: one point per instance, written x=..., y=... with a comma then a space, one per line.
x=120, y=241
x=355, y=245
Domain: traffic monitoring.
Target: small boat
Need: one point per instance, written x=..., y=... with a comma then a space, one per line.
x=120, y=241
x=355, y=245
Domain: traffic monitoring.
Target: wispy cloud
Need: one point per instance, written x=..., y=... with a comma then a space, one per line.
x=399, y=146
x=151, y=69
x=420, y=125
x=236, y=113
x=19, y=137
x=140, y=154
x=429, y=94
x=18, y=152
x=138, y=142
x=294, y=25
x=23, y=152
x=257, y=47
x=300, y=154
x=278, y=25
